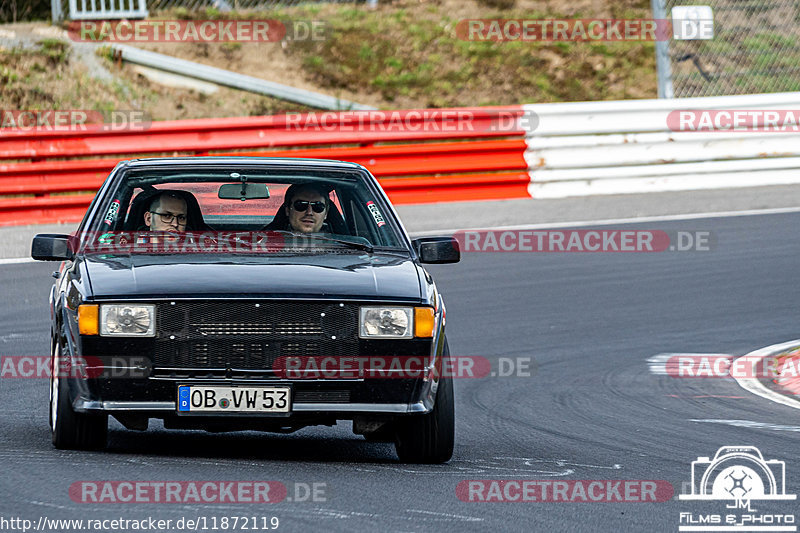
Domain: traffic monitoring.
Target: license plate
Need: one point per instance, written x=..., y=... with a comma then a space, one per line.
x=209, y=399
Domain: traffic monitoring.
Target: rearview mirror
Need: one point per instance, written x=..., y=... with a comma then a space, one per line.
x=52, y=247
x=437, y=250
x=243, y=191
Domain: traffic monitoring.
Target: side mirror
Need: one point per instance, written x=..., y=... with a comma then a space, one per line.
x=437, y=250
x=52, y=247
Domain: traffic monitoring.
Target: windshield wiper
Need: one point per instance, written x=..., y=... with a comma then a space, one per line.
x=350, y=244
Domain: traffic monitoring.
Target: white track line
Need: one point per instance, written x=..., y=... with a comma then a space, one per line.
x=747, y=424
x=606, y=222
x=755, y=386
x=16, y=260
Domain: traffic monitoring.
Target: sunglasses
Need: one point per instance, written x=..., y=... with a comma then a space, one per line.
x=302, y=205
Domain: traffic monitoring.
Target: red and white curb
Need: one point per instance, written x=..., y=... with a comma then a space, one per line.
x=754, y=385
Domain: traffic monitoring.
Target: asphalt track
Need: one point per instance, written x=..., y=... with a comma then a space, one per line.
x=592, y=409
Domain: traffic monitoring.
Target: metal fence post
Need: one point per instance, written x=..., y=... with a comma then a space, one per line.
x=56, y=12
x=663, y=66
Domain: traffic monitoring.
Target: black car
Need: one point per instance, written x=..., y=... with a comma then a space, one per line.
x=225, y=313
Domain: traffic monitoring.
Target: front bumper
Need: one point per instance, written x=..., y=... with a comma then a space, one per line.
x=94, y=406
x=151, y=395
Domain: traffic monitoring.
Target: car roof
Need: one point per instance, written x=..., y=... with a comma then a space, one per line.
x=232, y=160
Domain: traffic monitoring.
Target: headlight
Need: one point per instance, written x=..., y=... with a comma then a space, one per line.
x=127, y=320
x=386, y=322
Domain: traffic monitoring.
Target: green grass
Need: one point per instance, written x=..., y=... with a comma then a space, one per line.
x=55, y=50
x=409, y=53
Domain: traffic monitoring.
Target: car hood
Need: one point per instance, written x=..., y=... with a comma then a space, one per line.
x=351, y=275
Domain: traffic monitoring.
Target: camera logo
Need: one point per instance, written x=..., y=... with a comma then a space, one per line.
x=738, y=473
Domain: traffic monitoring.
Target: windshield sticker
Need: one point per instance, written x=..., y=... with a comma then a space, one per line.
x=376, y=214
x=113, y=210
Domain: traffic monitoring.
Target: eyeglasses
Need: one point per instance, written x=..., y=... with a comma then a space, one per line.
x=302, y=205
x=167, y=218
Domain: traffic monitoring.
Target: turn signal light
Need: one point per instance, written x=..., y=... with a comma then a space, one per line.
x=88, y=323
x=423, y=322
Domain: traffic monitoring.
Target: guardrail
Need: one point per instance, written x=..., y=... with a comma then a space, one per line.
x=227, y=78
x=532, y=151
x=418, y=155
x=626, y=147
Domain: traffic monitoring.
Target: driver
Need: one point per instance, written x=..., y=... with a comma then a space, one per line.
x=306, y=206
x=167, y=212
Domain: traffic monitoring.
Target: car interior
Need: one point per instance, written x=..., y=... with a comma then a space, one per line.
x=226, y=206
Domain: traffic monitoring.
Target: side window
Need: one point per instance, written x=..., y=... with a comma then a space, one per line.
x=367, y=220
x=359, y=225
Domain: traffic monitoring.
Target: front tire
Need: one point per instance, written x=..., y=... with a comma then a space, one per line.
x=429, y=438
x=71, y=430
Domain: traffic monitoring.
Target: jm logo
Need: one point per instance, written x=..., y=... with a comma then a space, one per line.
x=738, y=473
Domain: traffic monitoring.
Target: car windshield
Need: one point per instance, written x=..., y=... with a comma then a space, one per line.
x=249, y=209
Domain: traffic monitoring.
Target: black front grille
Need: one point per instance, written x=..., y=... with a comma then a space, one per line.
x=231, y=335
x=321, y=396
